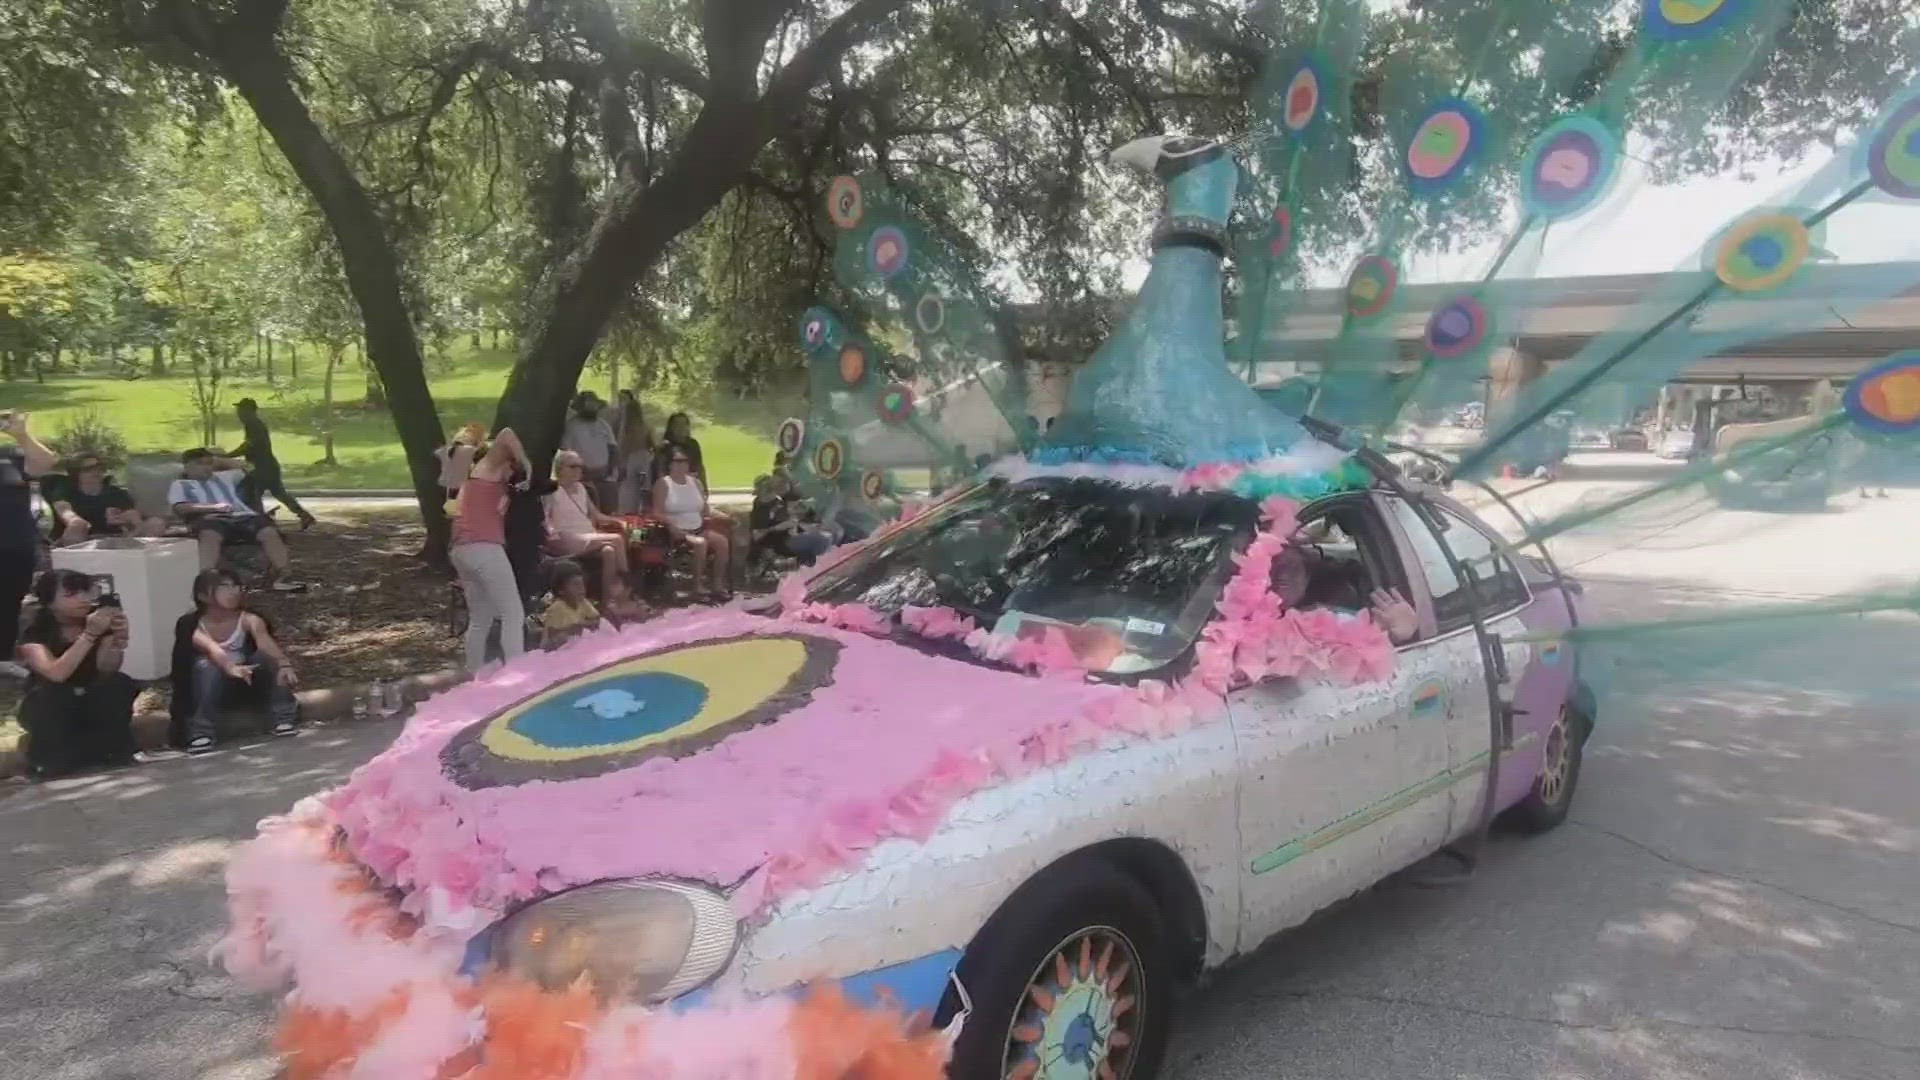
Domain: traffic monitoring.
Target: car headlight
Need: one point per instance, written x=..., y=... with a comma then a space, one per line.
x=646, y=941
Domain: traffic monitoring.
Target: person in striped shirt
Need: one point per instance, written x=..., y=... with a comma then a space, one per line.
x=208, y=499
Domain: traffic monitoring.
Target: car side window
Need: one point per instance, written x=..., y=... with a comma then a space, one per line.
x=1341, y=553
x=1501, y=586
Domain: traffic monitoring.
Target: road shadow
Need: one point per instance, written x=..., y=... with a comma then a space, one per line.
x=1737, y=894
x=107, y=917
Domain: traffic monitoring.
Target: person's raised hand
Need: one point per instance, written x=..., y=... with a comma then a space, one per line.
x=120, y=627
x=1394, y=613
x=287, y=678
x=101, y=621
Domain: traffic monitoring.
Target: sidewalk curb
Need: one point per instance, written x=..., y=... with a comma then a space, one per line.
x=324, y=705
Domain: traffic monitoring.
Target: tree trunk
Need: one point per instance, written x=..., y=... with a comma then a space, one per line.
x=334, y=352
x=269, y=359
x=630, y=236
x=253, y=62
x=376, y=392
x=159, y=366
x=293, y=361
x=496, y=337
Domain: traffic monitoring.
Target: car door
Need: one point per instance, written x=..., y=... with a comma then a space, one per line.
x=1456, y=648
x=1340, y=786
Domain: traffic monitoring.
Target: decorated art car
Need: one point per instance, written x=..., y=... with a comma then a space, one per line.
x=980, y=794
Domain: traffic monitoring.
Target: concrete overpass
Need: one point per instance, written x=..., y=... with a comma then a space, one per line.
x=1845, y=318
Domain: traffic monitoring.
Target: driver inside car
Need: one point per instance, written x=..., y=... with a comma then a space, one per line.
x=1305, y=578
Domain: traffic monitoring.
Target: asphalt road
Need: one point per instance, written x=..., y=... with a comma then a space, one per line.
x=1738, y=894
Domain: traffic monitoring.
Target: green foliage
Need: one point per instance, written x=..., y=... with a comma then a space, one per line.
x=88, y=432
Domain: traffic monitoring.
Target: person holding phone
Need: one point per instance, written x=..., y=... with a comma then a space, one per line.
x=235, y=649
x=21, y=461
x=78, y=711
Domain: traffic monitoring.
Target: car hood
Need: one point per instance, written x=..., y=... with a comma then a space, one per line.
x=719, y=747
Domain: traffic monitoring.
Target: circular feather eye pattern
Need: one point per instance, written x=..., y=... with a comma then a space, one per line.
x=888, y=251
x=1885, y=399
x=818, y=329
x=896, y=403
x=1893, y=153
x=1301, y=101
x=1280, y=233
x=1761, y=251
x=1569, y=168
x=846, y=203
x=1445, y=146
x=792, y=436
x=1457, y=328
x=853, y=363
x=873, y=483
x=1371, y=286
x=670, y=703
x=828, y=459
x=930, y=313
x=1685, y=20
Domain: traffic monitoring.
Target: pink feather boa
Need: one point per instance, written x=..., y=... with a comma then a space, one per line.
x=778, y=805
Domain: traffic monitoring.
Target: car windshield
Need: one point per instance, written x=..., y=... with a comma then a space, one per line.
x=1134, y=572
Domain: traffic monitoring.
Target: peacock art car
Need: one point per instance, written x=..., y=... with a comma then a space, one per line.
x=980, y=793
x=976, y=796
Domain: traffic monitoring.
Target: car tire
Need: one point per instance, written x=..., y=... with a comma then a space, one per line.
x=1551, y=798
x=1077, y=963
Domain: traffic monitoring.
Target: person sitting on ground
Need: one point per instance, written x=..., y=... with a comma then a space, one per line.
x=681, y=501
x=777, y=531
x=850, y=516
x=208, y=499
x=576, y=528
x=78, y=711
x=233, y=650
x=87, y=503
x=569, y=613
x=623, y=608
x=257, y=450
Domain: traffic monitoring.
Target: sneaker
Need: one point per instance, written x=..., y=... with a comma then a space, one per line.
x=202, y=745
x=284, y=728
x=12, y=670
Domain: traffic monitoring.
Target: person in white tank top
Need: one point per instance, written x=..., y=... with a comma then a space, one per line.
x=681, y=502
x=577, y=529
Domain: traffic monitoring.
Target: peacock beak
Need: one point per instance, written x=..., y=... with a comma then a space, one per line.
x=1142, y=154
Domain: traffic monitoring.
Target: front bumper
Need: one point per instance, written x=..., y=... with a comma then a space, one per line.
x=375, y=997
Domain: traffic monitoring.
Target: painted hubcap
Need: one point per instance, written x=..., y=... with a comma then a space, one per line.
x=1080, y=1019
x=1554, y=771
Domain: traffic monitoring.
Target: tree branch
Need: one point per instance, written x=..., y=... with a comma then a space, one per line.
x=817, y=57
x=1121, y=76
x=1200, y=34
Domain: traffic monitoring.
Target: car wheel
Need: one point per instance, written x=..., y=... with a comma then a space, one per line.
x=1547, y=805
x=1071, y=979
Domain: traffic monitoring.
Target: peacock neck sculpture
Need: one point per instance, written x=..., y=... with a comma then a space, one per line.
x=1159, y=391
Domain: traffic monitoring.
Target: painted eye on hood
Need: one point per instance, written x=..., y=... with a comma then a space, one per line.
x=671, y=703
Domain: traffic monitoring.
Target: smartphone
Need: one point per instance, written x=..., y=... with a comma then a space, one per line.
x=104, y=595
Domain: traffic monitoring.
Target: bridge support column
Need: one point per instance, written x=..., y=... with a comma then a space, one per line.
x=1511, y=371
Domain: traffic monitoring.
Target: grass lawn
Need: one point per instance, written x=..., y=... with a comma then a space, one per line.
x=157, y=415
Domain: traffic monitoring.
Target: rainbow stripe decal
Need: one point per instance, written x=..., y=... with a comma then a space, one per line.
x=1430, y=698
